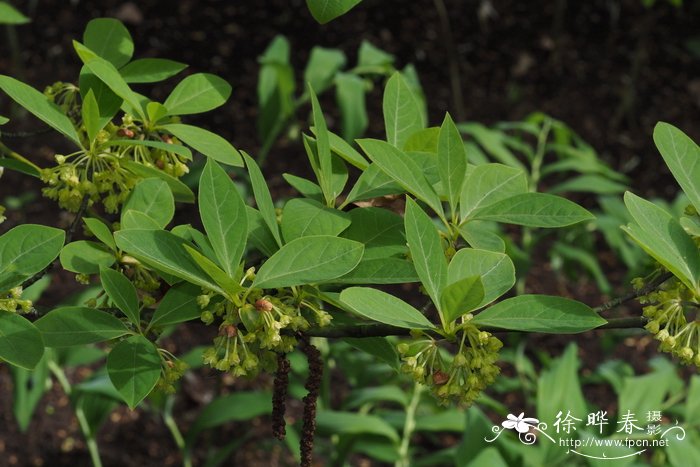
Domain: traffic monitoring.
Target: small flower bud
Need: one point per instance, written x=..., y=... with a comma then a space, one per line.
x=440, y=377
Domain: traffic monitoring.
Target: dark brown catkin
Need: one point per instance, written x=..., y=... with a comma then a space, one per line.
x=279, y=397
x=313, y=385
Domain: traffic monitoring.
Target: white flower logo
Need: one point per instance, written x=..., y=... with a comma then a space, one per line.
x=521, y=424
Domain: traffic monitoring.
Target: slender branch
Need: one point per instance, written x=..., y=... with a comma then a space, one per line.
x=648, y=288
x=69, y=236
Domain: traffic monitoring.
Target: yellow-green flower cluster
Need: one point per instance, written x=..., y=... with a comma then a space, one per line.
x=250, y=336
x=12, y=301
x=461, y=378
x=172, y=371
x=2, y=212
x=666, y=311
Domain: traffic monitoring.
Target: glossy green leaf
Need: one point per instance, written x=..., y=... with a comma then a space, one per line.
x=208, y=143
x=493, y=141
x=384, y=308
x=213, y=270
x=108, y=102
x=20, y=341
x=344, y=150
x=534, y=210
x=682, y=156
x=106, y=72
x=589, y=183
x=323, y=150
x=198, y=93
x=425, y=140
x=373, y=182
x=426, y=250
x=361, y=396
x=24, y=167
x=275, y=89
x=153, y=198
x=496, y=271
x=86, y=257
x=134, y=367
x=74, y=325
x=29, y=386
x=461, y=297
x=150, y=70
x=224, y=216
x=452, y=161
x=166, y=252
x=379, y=347
x=259, y=235
x=306, y=217
x=350, y=423
x=91, y=116
x=10, y=15
x=122, y=293
x=324, y=11
x=138, y=220
x=402, y=111
x=181, y=192
x=26, y=250
x=479, y=235
x=178, y=305
x=350, y=95
x=100, y=230
x=380, y=230
x=489, y=183
x=309, y=260
x=39, y=105
x=109, y=39
x=403, y=170
x=263, y=198
x=540, y=313
x=380, y=271
x=304, y=186
x=662, y=237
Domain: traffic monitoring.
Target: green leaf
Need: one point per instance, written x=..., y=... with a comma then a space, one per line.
x=306, y=217
x=198, y=93
x=21, y=166
x=213, y=270
x=372, y=183
x=361, y=396
x=108, y=102
x=461, y=297
x=152, y=197
x=380, y=230
x=275, y=89
x=165, y=252
x=402, y=111
x=540, y=313
x=74, y=325
x=369, y=56
x=224, y=216
x=304, y=186
x=106, y=72
x=346, y=152
x=489, y=183
x=26, y=250
x=384, y=308
x=380, y=271
x=109, y=39
x=10, y=15
x=379, y=347
x=29, y=386
x=496, y=271
x=322, y=66
x=259, y=235
x=426, y=251
x=178, y=305
x=534, y=210
x=452, y=161
x=39, y=105
x=181, y=192
x=403, y=170
x=589, y=183
x=150, y=70
x=100, y=230
x=425, y=140
x=682, y=156
x=208, y=143
x=91, y=116
x=122, y=293
x=479, y=235
x=86, y=257
x=663, y=238
x=20, y=341
x=350, y=423
x=323, y=150
x=493, y=141
x=138, y=220
x=167, y=147
x=350, y=95
x=239, y=406
x=309, y=260
x=263, y=199
x=324, y=11
x=134, y=367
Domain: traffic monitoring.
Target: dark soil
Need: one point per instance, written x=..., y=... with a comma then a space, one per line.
x=609, y=69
